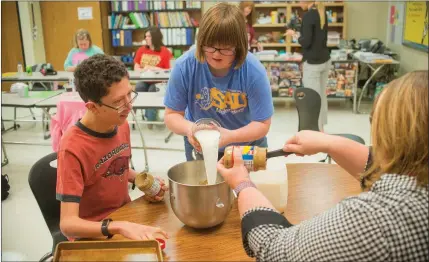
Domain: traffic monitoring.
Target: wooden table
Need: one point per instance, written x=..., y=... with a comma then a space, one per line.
x=313, y=188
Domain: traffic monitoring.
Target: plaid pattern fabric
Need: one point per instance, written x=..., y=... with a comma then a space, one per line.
x=387, y=223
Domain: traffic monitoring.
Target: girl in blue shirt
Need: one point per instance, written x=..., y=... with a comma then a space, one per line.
x=221, y=80
x=82, y=50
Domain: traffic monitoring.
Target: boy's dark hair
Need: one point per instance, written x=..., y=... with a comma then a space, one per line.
x=157, y=38
x=95, y=75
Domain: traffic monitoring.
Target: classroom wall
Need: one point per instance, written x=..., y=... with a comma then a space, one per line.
x=411, y=59
x=34, y=49
x=366, y=19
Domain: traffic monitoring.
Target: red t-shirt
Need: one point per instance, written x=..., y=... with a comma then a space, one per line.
x=146, y=56
x=93, y=170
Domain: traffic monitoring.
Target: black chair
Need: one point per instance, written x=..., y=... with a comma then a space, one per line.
x=43, y=181
x=308, y=104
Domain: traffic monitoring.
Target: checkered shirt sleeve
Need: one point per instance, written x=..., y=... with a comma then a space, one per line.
x=388, y=223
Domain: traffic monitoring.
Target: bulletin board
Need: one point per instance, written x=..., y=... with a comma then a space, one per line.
x=415, y=32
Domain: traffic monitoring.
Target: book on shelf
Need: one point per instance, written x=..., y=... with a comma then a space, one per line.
x=133, y=20
x=136, y=20
x=178, y=36
x=173, y=19
x=147, y=5
x=122, y=38
x=171, y=37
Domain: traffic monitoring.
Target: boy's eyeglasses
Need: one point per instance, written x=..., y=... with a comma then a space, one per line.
x=131, y=99
x=226, y=52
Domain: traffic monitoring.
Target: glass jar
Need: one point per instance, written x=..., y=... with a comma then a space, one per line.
x=148, y=184
x=254, y=157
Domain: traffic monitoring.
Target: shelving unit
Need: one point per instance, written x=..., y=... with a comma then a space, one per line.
x=288, y=45
x=285, y=76
x=129, y=21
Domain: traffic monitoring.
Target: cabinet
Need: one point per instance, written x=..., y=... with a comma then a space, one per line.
x=271, y=20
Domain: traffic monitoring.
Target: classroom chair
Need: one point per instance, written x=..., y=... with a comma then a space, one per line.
x=43, y=182
x=308, y=103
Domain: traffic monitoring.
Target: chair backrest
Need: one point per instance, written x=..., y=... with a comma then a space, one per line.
x=43, y=182
x=308, y=105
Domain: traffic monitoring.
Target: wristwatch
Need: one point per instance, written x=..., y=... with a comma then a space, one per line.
x=241, y=186
x=104, y=227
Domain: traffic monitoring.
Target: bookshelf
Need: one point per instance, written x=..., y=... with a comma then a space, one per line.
x=275, y=28
x=124, y=24
x=286, y=76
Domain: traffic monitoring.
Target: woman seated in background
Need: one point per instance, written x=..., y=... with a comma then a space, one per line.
x=153, y=56
x=386, y=222
x=83, y=48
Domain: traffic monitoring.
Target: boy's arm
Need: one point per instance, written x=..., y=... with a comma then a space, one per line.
x=73, y=226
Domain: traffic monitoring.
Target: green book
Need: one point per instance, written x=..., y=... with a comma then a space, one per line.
x=134, y=20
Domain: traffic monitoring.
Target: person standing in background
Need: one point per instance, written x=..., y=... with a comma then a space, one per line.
x=83, y=48
x=316, y=57
x=247, y=8
x=151, y=57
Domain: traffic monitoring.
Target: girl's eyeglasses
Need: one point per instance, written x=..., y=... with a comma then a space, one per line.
x=131, y=99
x=226, y=52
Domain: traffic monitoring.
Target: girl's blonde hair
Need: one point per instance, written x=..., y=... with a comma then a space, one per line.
x=223, y=24
x=322, y=14
x=82, y=34
x=252, y=16
x=399, y=130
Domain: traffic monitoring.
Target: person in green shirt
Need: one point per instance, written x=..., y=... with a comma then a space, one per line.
x=83, y=48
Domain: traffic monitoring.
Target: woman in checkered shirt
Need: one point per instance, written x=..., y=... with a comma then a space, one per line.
x=388, y=221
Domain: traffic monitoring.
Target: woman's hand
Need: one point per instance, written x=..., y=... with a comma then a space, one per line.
x=237, y=174
x=160, y=196
x=71, y=69
x=135, y=231
x=290, y=32
x=260, y=47
x=308, y=143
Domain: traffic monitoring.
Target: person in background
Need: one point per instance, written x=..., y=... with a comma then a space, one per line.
x=83, y=48
x=386, y=222
x=93, y=159
x=151, y=57
x=247, y=8
x=220, y=80
x=316, y=57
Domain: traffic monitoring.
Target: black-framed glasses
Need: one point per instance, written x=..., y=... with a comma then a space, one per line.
x=226, y=52
x=131, y=99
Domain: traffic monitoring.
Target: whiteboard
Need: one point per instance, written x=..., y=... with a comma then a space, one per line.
x=415, y=33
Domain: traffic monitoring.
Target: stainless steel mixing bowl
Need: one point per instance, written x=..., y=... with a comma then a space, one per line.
x=198, y=206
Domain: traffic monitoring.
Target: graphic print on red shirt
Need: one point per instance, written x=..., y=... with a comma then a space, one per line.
x=93, y=170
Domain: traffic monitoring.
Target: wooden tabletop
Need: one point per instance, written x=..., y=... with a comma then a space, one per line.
x=312, y=188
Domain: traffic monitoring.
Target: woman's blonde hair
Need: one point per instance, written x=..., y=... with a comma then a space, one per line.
x=223, y=24
x=399, y=130
x=322, y=14
x=252, y=16
x=82, y=34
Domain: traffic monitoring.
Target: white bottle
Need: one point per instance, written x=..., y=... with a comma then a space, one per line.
x=20, y=70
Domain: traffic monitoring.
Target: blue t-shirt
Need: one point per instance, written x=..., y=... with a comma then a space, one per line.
x=235, y=100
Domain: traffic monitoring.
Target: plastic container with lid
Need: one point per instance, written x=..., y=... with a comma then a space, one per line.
x=273, y=185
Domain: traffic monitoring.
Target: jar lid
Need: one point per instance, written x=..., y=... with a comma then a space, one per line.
x=161, y=243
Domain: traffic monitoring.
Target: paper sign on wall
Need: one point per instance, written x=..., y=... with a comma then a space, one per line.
x=84, y=13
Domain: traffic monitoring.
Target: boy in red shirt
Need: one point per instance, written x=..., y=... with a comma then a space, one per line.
x=93, y=160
